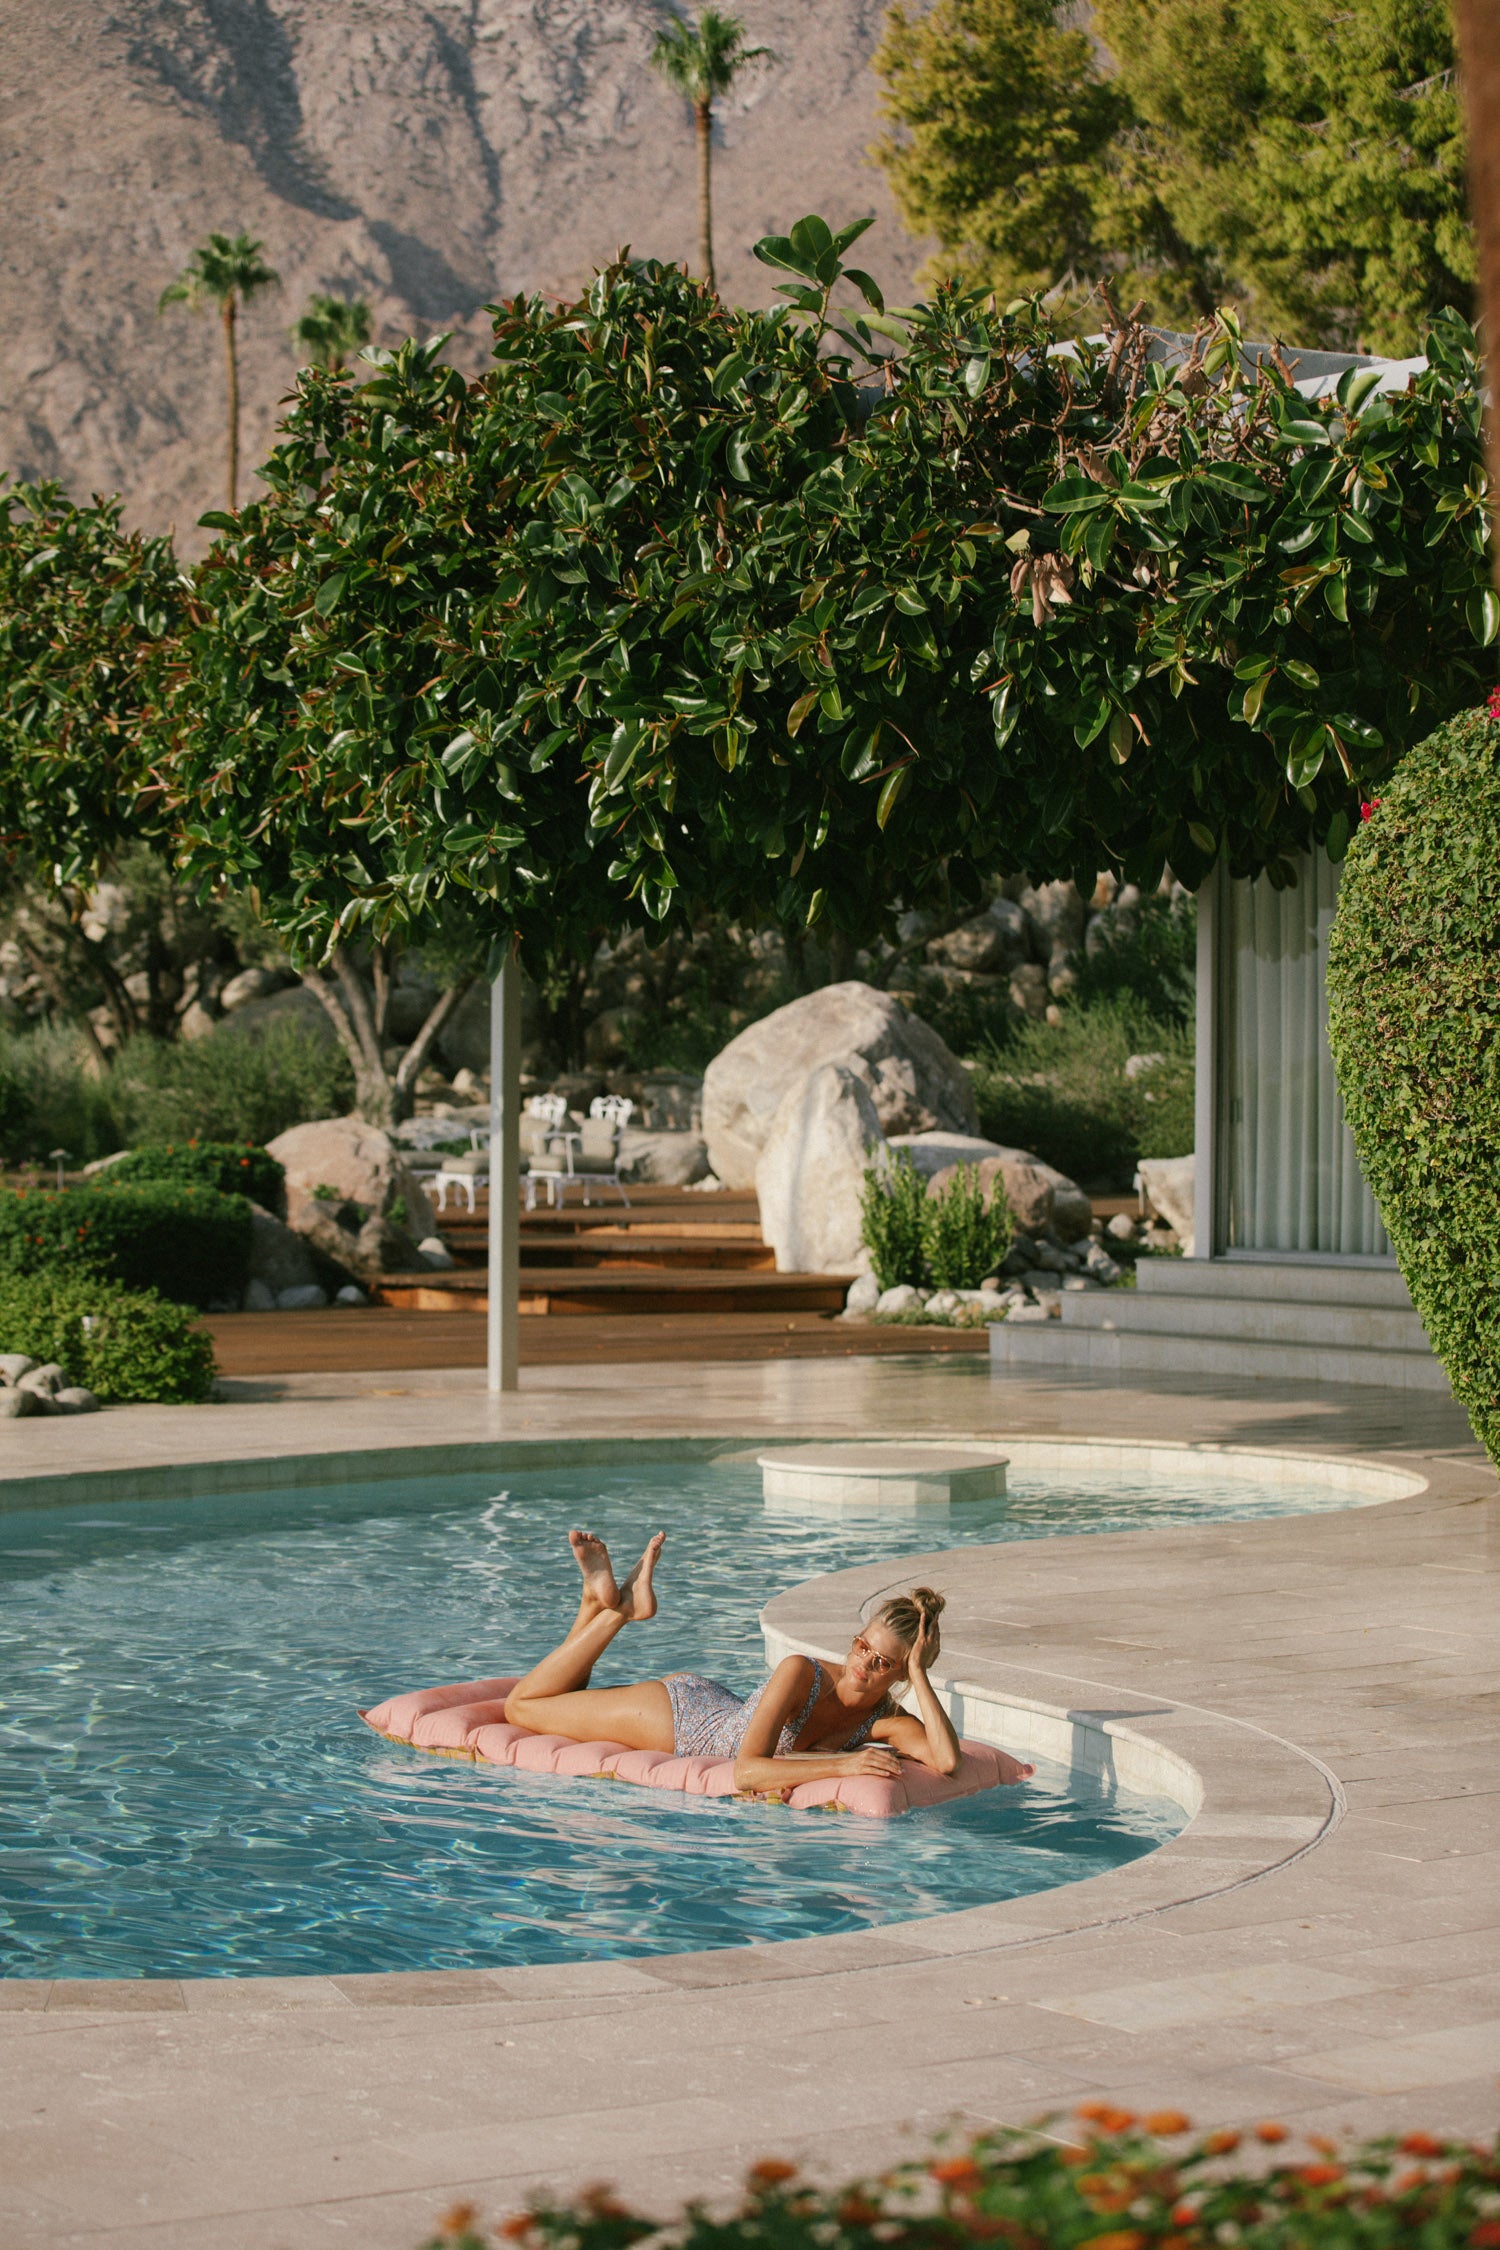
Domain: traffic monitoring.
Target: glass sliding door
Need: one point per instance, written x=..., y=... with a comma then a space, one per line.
x=1287, y=1177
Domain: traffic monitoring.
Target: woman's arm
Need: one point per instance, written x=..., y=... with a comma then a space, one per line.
x=929, y=1737
x=757, y=1768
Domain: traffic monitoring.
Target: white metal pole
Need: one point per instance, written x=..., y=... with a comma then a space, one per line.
x=504, y=1286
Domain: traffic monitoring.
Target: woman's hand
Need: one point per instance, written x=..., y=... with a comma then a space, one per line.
x=917, y=1660
x=874, y=1759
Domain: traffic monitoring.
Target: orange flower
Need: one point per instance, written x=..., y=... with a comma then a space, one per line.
x=601, y=2202
x=1164, y=2122
x=857, y=2211
x=1322, y=2144
x=1106, y=2115
x=1486, y=2235
x=1222, y=2143
x=770, y=2172
x=1319, y=2175
x=1407, y=2183
x=459, y=2220
x=957, y=2171
x=1183, y=2215
x=1419, y=2144
x=516, y=2229
x=1122, y=2238
x=1271, y=2133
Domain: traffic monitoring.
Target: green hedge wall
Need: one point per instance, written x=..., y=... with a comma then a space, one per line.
x=1414, y=1023
x=233, y=1167
x=189, y=1243
x=136, y=1346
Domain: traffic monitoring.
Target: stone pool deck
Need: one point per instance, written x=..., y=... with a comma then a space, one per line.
x=1322, y=1944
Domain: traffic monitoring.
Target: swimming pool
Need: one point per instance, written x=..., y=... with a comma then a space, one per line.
x=185, y=1789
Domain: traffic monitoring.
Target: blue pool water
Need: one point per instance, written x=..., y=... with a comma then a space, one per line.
x=185, y=1789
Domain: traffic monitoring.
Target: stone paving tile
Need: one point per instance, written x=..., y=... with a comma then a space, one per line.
x=1379, y=2065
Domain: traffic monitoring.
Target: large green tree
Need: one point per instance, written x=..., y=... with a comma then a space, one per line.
x=659, y=612
x=1301, y=160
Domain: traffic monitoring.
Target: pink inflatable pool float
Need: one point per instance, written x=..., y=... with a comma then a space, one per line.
x=468, y=1721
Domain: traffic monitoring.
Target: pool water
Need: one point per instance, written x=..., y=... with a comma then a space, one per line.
x=185, y=1789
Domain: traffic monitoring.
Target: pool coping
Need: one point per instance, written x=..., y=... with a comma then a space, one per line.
x=1258, y=1802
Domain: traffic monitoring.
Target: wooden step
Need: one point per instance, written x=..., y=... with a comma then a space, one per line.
x=561, y=1289
x=655, y=1252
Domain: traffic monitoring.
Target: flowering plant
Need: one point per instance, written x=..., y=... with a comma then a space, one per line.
x=1103, y=2180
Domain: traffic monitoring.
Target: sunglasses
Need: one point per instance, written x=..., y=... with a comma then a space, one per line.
x=873, y=1657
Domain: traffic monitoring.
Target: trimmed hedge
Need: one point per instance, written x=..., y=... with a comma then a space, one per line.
x=1414, y=1024
x=189, y=1243
x=233, y=1167
x=136, y=1346
x=1101, y=2180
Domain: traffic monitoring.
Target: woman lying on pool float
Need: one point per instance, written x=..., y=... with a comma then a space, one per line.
x=821, y=1720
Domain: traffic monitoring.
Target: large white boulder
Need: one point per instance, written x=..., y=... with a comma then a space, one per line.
x=1170, y=1184
x=811, y=1172
x=668, y=1159
x=1040, y=1197
x=359, y=1162
x=912, y=1079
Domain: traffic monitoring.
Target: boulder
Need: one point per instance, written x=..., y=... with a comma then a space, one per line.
x=810, y=1176
x=1028, y=990
x=196, y=1022
x=310, y=1298
x=993, y=941
x=296, y=1005
x=1169, y=1184
x=1040, y=1197
x=250, y=984
x=668, y=1159
x=1054, y=918
x=280, y=1258
x=258, y=1297
x=13, y=1365
x=864, y=1295
x=365, y=1165
x=45, y=1381
x=74, y=1399
x=939, y=1152
x=351, y=1295
x=16, y=1405
x=434, y=1252
x=903, y=1298
x=910, y=1077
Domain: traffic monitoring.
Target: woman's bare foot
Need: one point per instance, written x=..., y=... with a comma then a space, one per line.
x=637, y=1595
x=592, y=1558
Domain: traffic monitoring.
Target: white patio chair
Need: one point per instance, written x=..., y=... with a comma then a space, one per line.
x=546, y=1146
x=463, y=1173
x=597, y=1163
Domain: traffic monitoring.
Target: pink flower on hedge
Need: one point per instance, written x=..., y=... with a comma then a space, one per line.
x=1369, y=806
x=1493, y=706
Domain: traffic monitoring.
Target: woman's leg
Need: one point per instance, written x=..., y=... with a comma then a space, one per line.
x=555, y=1697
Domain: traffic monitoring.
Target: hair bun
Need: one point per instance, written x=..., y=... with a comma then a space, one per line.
x=929, y=1601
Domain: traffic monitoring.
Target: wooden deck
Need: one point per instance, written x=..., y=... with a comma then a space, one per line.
x=339, y=1341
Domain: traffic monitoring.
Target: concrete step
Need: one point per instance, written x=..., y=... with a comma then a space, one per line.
x=1285, y=1280
x=1259, y=1320
x=1038, y=1349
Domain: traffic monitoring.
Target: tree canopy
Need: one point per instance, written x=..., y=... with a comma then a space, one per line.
x=1299, y=160
x=675, y=607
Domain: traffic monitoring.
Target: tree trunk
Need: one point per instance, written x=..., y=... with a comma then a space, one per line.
x=232, y=372
x=1479, y=55
x=704, y=115
x=381, y=1096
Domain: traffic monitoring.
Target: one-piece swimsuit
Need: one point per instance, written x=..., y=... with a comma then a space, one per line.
x=710, y=1721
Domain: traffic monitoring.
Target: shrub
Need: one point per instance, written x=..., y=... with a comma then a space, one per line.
x=228, y=1086
x=1414, y=1023
x=965, y=1239
x=893, y=1222
x=233, y=1167
x=1072, y=2183
x=54, y=1093
x=134, y=1346
x=1153, y=963
x=190, y=1243
x=1060, y=1091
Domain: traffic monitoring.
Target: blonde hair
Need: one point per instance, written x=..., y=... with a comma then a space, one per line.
x=906, y=1614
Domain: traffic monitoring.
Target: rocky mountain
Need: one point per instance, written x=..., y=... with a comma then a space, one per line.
x=429, y=155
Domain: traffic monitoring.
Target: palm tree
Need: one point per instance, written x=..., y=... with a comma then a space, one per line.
x=332, y=329
x=227, y=271
x=702, y=61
